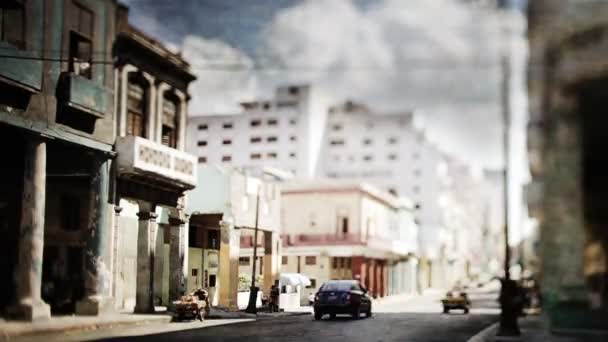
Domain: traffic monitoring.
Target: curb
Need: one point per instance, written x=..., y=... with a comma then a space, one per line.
x=75, y=327
x=486, y=335
x=287, y=314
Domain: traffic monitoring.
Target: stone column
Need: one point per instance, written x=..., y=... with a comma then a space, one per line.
x=159, y=264
x=150, y=107
x=160, y=98
x=229, y=265
x=177, y=254
x=97, y=298
x=144, y=297
x=181, y=121
x=124, y=82
x=116, y=256
x=28, y=273
x=271, y=260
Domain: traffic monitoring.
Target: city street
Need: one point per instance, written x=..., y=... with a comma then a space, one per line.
x=394, y=319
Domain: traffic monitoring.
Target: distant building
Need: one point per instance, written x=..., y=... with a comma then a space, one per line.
x=221, y=230
x=349, y=230
x=388, y=151
x=280, y=132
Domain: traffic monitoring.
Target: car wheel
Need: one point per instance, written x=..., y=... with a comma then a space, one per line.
x=332, y=316
x=356, y=312
x=466, y=310
x=368, y=313
x=446, y=310
x=318, y=315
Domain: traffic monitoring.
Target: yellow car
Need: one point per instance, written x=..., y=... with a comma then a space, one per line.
x=456, y=300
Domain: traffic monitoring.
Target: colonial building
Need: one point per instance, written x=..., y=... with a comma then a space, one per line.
x=152, y=169
x=349, y=230
x=567, y=149
x=57, y=130
x=223, y=215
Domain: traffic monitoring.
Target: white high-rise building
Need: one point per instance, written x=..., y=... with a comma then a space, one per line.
x=283, y=132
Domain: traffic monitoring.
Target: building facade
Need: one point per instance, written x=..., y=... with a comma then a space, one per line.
x=566, y=141
x=223, y=216
x=282, y=132
x=348, y=230
x=388, y=151
x=152, y=169
x=57, y=128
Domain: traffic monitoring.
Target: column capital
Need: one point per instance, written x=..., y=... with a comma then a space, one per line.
x=176, y=221
x=127, y=68
x=147, y=215
x=148, y=78
x=117, y=210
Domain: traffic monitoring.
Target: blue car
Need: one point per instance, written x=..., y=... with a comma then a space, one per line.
x=342, y=297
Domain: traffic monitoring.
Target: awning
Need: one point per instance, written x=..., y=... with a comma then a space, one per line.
x=294, y=279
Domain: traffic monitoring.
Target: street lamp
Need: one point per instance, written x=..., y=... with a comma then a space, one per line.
x=253, y=290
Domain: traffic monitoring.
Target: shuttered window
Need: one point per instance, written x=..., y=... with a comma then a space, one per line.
x=12, y=19
x=136, y=109
x=169, y=119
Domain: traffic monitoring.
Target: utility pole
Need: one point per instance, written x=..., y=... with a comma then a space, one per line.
x=253, y=290
x=509, y=290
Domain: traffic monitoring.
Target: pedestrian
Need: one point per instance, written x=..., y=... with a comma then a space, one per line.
x=274, y=297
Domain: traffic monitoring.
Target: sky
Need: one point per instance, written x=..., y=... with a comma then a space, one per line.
x=438, y=58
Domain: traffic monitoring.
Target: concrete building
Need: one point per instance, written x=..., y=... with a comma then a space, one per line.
x=57, y=129
x=222, y=218
x=283, y=132
x=152, y=170
x=349, y=230
x=566, y=141
x=388, y=151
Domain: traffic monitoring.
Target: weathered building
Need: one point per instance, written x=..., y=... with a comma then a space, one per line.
x=152, y=169
x=568, y=85
x=57, y=130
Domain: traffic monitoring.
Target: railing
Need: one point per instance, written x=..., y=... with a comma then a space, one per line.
x=321, y=239
x=144, y=157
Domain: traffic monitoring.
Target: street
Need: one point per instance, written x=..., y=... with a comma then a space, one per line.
x=394, y=319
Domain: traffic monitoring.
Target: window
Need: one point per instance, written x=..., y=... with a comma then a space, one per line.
x=202, y=160
x=272, y=122
x=266, y=105
x=310, y=260
x=255, y=156
x=313, y=220
x=292, y=138
x=284, y=260
x=348, y=263
x=334, y=263
x=226, y=142
x=227, y=125
x=342, y=262
x=367, y=141
x=367, y=158
x=343, y=221
x=203, y=127
x=392, y=140
x=202, y=143
x=271, y=155
x=70, y=212
x=136, y=108
x=213, y=239
x=255, y=140
x=226, y=158
x=336, y=127
x=336, y=142
x=271, y=139
x=81, y=41
x=292, y=155
x=293, y=122
x=392, y=191
x=244, y=261
x=255, y=123
x=12, y=19
x=169, y=121
x=313, y=284
x=392, y=156
x=293, y=90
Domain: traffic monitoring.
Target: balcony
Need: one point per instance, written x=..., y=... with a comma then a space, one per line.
x=321, y=240
x=142, y=158
x=83, y=94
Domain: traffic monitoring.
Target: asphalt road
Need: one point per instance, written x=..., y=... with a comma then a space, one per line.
x=397, y=319
x=412, y=319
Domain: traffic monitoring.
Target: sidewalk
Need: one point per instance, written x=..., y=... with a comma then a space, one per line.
x=533, y=330
x=58, y=324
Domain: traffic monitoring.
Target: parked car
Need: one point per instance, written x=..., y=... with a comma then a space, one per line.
x=456, y=299
x=342, y=297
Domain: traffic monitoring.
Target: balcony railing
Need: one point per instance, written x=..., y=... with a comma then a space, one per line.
x=321, y=239
x=144, y=158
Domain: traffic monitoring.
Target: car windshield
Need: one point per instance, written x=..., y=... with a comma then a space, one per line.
x=336, y=286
